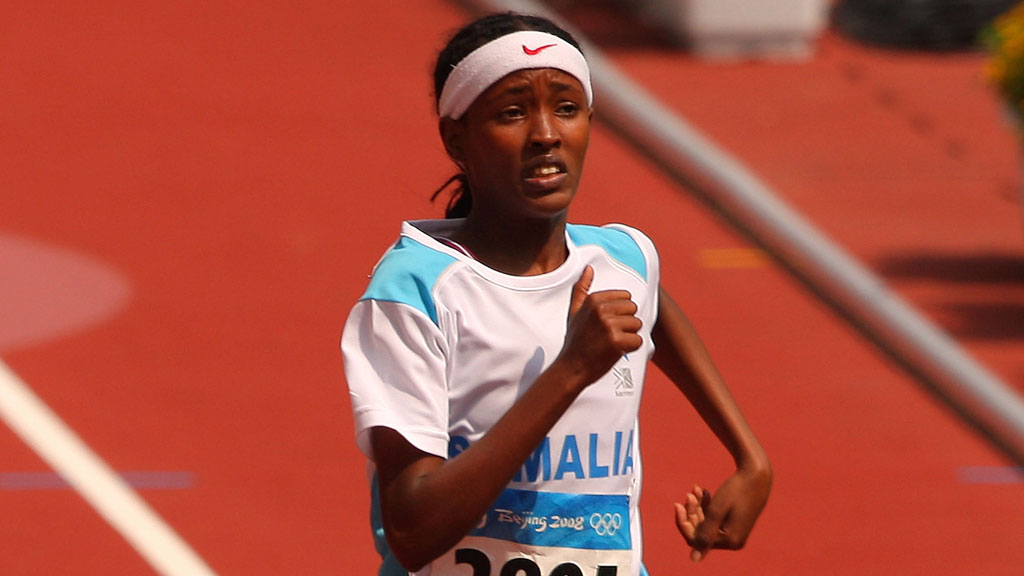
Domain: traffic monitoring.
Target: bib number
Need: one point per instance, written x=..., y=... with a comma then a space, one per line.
x=481, y=566
x=527, y=533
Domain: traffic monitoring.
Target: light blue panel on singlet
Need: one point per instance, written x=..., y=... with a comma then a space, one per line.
x=407, y=274
x=618, y=244
x=389, y=565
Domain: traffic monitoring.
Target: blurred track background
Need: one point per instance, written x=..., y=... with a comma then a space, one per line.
x=193, y=193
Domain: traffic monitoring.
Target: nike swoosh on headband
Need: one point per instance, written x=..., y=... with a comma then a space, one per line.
x=496, y=59
x=535, y=51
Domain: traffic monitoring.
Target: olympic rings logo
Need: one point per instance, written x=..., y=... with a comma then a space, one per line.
x=605, y=524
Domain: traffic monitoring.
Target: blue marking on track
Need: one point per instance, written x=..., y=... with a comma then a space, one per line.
x=140, y=480
x=991, y=474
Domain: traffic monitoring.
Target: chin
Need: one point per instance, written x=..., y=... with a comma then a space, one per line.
x=552, y=208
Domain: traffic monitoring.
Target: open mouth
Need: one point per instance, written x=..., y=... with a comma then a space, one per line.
x=542, y=171
x=545, y=168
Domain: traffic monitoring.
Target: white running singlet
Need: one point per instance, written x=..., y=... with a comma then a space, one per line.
x=440, y=346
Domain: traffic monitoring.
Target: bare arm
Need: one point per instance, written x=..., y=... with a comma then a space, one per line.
x=428, y=504
x=731, y=513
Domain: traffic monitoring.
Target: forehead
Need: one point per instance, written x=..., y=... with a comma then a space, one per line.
x=529, y=79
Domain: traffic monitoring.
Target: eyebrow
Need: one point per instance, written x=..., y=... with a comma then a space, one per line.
x=523, y=87
x=519, y=88
x=563, y=86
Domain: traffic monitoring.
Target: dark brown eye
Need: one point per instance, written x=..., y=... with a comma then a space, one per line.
x=567, y=108
x=511, y=113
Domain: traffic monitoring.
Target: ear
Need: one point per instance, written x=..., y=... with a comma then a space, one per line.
x=451, y=136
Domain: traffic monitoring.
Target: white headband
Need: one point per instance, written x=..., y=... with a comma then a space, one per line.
x=502, y=56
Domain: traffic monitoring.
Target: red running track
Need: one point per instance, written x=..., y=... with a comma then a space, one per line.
x=192, y=195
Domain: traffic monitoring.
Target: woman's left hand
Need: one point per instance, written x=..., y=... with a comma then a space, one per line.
x=724, y=520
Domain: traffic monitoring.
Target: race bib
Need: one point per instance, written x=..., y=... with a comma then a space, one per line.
x=530, y=533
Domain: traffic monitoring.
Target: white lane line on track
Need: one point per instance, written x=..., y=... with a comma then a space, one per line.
x=44, y=431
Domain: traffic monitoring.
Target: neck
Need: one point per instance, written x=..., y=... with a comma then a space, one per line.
x=522, y=248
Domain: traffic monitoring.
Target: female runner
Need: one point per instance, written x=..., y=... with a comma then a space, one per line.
x=496, y=361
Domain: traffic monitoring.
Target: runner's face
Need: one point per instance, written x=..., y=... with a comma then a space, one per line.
x=522, y=143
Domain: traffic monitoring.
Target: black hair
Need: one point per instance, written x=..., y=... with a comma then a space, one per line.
x=465, y=40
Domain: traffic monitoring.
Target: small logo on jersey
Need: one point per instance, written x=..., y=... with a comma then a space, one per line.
x=605, y=524
x=538, y=50
x=623, y=381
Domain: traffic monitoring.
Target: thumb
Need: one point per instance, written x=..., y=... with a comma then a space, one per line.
x=703, y=541
x=580, y=291
x=708, y=533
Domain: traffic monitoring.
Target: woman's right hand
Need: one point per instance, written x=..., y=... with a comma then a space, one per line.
x=602, y=327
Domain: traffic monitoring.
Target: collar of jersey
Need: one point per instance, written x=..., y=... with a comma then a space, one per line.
x=422, y=231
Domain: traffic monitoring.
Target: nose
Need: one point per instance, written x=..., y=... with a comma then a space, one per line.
x=544, y=130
